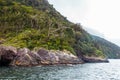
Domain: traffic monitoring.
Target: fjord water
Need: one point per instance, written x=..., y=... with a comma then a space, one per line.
x=88, y=71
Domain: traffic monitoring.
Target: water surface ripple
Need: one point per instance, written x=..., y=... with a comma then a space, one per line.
x=88, y=71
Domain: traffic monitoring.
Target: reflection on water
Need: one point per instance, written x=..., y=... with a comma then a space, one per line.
x=89, y=71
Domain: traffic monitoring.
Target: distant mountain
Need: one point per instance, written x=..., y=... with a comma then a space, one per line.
x=93, y=32
x=116, y=41
x=36, y=24
x=109, y=49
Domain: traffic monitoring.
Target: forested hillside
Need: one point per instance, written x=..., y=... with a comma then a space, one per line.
x=36, y=24
x=109, y=49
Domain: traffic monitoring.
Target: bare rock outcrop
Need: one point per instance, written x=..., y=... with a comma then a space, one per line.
x=25, y=57
x=10, y=56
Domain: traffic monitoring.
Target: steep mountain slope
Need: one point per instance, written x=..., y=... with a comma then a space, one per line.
x=109, y=49
x=35, y=24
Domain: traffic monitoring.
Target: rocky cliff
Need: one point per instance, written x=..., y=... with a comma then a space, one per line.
x=10, y=56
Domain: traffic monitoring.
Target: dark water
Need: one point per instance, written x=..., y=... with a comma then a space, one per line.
x=89, y=71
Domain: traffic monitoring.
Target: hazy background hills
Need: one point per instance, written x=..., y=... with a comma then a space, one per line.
x=102, y=16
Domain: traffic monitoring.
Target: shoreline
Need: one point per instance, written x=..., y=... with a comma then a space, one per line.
x=11, y=56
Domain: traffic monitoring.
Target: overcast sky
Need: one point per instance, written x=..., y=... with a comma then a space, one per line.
x=102, y=16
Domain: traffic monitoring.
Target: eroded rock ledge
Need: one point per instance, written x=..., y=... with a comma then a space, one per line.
x=10, y=56
x=94, y=60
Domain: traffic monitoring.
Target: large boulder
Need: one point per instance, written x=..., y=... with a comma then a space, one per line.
x=48, y=57
x=7, y=55
x=44, y=56
x=65, y=57
x=25, y=57
x=57, y=57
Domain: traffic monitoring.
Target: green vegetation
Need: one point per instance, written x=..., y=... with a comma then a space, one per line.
x=109, y=49
x=35, y=24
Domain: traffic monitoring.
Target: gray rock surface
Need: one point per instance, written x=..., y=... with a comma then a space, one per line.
x=10, y=56
x=24, y=57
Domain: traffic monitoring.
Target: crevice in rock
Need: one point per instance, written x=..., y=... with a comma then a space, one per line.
x=4, y=62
